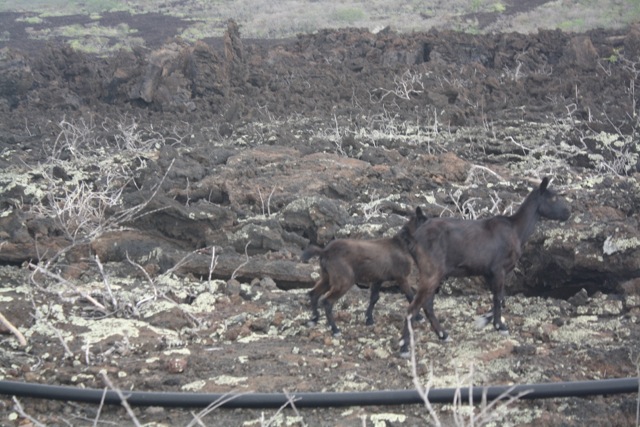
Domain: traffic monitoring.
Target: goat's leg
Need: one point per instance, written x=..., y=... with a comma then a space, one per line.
x=433, y=319
x=320, y=288
x=328, y=300
x=496, y=284
x=328, y=309
x=373, y=299
x=414, y=307
x=423, y=299
x=404, y=286
x=498, y=304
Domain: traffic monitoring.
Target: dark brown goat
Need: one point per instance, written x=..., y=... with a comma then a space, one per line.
x=487, y=247
x=345, y=262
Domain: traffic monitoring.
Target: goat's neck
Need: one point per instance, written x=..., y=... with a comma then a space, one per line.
x=525, y=218
x=403, y=238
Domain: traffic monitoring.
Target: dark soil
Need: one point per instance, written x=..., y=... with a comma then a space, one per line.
x=244, y=152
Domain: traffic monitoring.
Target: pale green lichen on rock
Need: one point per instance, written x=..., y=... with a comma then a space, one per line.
x=253, y=337
x=383, y=419
x=302, y=203
x=572, y=234
x=10, y=179
x=607, y=139
x=619, y=244
x=587, y=330
x=194, y=386
x=204, y=303
x=367, y=229
x=229, y=380
x=603, y=308
x=351, y=385
x=174, y=351
x=98, y=330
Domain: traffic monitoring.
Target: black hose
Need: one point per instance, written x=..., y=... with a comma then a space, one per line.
x=333, y=399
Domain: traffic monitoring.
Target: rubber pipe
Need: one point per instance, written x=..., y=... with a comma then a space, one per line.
x=311, y=399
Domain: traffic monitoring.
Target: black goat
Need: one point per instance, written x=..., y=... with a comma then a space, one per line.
x=344, y=262
x=487, y=247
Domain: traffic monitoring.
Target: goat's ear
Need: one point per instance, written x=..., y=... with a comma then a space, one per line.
x=420, y=214
x=544, y=184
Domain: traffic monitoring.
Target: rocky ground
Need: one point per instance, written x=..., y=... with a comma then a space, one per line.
x=155, y=203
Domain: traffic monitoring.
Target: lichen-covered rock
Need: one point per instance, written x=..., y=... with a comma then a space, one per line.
x=317, y=218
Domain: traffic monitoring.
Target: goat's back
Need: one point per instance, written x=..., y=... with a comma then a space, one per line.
x=366, y=261
x=467, y=247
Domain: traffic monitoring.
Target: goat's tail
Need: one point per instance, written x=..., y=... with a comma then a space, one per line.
x=310, y=252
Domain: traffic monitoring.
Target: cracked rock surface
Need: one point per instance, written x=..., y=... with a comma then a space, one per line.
x=154, y=205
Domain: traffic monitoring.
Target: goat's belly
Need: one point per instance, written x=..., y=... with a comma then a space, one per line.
x=378, y=273
x=466, y=271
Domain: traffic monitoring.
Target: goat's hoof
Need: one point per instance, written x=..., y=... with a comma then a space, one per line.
x=404, y=349
x=444, y=337
x=312, y=323
x=502, y=328
x=369, y=322
x=337, y=334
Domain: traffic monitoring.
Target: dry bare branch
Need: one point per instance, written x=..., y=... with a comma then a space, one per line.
x=99, y=411
x=213, y=264
x=123, y=399
x=18, y=408
x=246, y=261
x=21, y=339
x=105, y=280
x=83, y=294
x=422, y=391
x=197, y=418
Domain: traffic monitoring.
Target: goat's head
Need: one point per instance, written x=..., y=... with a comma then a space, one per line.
x=550, y=204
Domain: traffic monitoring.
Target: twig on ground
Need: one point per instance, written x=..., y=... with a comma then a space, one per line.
x=213, y=264
x=246, y=261
x=492, y=411
x=268, y=211
x=67, y=351
x=123, y=399
x=422, y=391
x=87, y=359
x=106, y=282
x=290, y=402
x=21, y=339
x=407, y=84
x=489, y=412
x=18, y=408
x=197, y=418
x=92, y=300
x=156, y=294
x=104, y=395
x=475, y=168
x=149, y=279
x=179, y=264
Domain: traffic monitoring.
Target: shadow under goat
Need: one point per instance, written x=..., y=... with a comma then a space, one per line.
x=486, y=247
x=344, y=262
